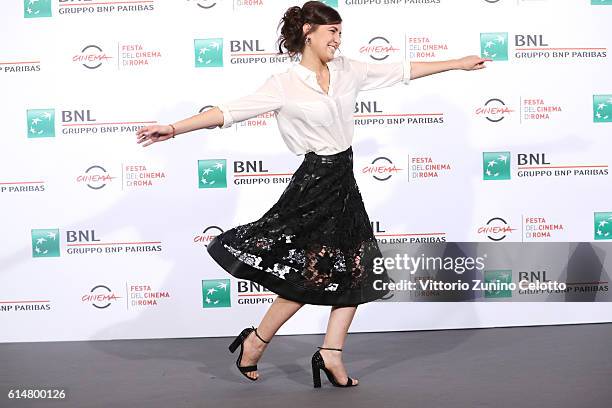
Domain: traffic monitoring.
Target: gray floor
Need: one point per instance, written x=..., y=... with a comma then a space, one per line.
x=554, y=366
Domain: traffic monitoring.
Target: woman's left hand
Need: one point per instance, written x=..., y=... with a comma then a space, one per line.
x=471, y=63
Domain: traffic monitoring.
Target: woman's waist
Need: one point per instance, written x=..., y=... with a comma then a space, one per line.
x=345, y=156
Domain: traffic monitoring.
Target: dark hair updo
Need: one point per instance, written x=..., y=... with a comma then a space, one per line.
x=292, y=39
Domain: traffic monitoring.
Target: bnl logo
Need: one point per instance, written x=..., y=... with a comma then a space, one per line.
x=208, y=52
x=45, y=243
x=496, y=166
x=41, y=123
x=215, y=293
x=602, y=108
x=36, y=8
x=603, y=226
x=500, y=279
x=494, y=46
x=330, y=3
x=212, y=173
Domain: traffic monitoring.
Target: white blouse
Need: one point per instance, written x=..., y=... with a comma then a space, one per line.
x=310, y=120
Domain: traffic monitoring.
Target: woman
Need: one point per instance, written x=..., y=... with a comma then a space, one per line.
x=316, y=244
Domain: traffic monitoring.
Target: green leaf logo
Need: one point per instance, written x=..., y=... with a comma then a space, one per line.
x=41, y=123
x=212, y=173
x=45, y=243
x=216, y=293
x=496, y=166
x=208, y=52
x=36, y=8
x=494, y=46
x=498, y=277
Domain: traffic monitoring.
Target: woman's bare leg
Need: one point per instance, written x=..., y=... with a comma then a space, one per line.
x=279, y=312
x=340, y=319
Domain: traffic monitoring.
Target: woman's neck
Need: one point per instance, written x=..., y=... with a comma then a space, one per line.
x=313, y=63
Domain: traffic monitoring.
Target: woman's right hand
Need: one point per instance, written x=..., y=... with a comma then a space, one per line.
x=153, y=134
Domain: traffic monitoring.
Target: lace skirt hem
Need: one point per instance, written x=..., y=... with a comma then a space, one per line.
x=296, y=293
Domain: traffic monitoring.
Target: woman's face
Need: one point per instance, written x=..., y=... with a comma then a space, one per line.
x=324, y=40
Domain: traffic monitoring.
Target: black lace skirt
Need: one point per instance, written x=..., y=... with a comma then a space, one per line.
x=315, y=245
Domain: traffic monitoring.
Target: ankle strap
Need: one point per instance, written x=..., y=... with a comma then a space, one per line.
x=329, y=348
x=258, y=336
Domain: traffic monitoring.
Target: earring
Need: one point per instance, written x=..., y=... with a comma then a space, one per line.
x=308, y=40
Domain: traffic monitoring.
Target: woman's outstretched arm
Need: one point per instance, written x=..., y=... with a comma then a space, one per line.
x=265, y=99
x=375, y=76
x=159, y=133
x=469, y=63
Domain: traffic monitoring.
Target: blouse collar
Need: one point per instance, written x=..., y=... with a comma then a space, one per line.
x=310, y=77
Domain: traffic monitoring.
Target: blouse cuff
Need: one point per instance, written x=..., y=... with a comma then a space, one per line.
x=407, y=72
x=227, y=117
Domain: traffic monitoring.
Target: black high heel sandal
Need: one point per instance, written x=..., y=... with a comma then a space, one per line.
x=318, y=364
x=239, y=341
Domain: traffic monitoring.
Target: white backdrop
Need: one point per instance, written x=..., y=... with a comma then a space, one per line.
x=103, y=239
